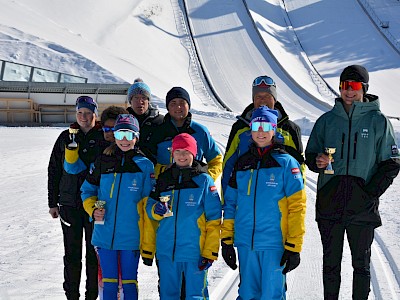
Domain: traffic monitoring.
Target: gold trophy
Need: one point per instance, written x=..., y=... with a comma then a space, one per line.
x=100, y=204
x=329, y=152
x=72, y=132
x=165, y=199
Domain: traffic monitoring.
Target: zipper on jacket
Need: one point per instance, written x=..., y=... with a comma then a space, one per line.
x=355, y=145
x=348, y=146
x=176, y=218
x=342, y=150
x=116, y=205
x=254, y=207
x=250, y=181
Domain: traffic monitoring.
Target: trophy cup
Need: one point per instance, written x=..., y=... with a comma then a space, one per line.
x=100, y=204
x=165, y=199
x=72, y=132
x=329, y=152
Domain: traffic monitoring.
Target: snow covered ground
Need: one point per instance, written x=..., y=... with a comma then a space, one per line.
x=149, y=38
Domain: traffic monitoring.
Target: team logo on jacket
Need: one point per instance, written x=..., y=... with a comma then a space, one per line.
x=364, y=133
x=190, y=201
x=133, y=187
x=271, y=182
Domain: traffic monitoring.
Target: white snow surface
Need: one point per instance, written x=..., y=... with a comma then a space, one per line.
x=116, y=42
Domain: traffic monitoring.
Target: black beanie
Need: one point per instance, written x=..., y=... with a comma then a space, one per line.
x=356, y=73
x=177, y=92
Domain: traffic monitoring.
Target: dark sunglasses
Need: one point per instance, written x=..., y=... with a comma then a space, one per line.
x=263, y=79
x=108, y=129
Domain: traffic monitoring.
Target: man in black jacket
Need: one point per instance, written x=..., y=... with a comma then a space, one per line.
x=73, y=152
x=139, y=96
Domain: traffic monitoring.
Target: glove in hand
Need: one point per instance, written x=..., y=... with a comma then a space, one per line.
x=229, y=255
x=147, y=261
x=291, y=260
x=205, y=263
x=160, y=209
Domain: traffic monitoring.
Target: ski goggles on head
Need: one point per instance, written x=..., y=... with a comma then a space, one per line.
x=263, y=79
x=121, y=134
x=108, y=129
x=265, y=126
x=355, y=85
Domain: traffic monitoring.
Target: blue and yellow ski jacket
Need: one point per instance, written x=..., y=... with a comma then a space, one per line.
x=161, y=143
x=265, y=202
x=240, y=140
x=194, y=228
x=124, y=180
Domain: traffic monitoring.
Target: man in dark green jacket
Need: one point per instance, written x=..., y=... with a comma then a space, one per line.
x=365, y=162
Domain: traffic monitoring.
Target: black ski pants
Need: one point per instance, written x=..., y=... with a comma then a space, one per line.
x=360, y=238
x=74, y=222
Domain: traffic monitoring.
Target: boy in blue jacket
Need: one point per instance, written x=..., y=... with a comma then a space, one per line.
x=264, y=211
x=187, y=240
x=123, y=180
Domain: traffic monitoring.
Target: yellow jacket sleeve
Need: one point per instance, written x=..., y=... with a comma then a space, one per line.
x=214, y=167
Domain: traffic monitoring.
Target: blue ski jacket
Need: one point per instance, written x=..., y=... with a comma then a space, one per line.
x=194, y=228
x=124, y=180
x=265, y=202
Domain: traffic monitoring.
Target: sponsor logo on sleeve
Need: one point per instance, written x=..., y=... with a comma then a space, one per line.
x=295, y=170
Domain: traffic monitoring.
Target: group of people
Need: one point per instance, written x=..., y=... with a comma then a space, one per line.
x=140, y=184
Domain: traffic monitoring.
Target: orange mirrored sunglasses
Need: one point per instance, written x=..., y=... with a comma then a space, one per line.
x=355, y=85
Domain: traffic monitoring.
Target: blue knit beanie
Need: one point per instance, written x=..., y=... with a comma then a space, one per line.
x=265, y=114
x=127, y=122
x=177, y=92
x=139, y=88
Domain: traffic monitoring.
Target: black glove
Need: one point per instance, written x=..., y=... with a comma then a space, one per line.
x=147, y=261
x=229, y=255
x=291, y=259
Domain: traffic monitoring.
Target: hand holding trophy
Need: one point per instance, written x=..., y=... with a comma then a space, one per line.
x=72, y=133
x=165, y=199
x=100, y=204
x=329, y=152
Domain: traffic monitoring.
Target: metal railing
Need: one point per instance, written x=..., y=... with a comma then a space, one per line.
x=11, y=71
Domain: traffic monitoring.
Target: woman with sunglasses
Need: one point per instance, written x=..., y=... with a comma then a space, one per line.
x=364, y=164
x=264, y=211
x=123, y=180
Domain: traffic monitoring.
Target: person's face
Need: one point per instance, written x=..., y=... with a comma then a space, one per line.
x=264, y=98
x=262, y=138
x=125, y=144
x=349, y=96
x=85, y=118
x=178, y=108
x=183, y=158
x=109, y=136
x=140, y=104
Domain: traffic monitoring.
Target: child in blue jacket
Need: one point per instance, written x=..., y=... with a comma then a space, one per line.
x=187, y=240
x=264, y=212
x=123, y=180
